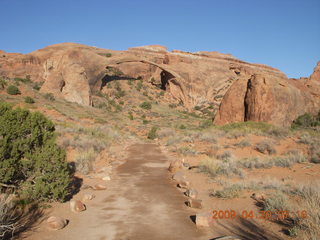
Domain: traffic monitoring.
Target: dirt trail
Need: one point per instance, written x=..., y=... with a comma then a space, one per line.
x=140, y=203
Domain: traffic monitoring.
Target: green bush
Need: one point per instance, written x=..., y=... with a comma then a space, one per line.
x=29, y=158
x=130, y=116
x=13, y=90
x=29, y=100
x=152, y=134
x=49, y=96
x=37, y=85
x=306, y=120
x=146, y=105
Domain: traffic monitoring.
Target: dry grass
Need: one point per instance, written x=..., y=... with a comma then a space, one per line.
x=84, y=160
x=214, y=167
x=265, y=146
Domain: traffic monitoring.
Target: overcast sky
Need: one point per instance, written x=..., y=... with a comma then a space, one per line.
x=284, y=34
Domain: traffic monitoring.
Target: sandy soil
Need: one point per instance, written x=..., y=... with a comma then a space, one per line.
x=141, y=202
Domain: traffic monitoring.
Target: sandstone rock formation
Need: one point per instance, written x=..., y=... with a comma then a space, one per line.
x=235, y=90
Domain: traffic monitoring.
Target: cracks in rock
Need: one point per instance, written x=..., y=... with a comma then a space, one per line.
x=246, y=100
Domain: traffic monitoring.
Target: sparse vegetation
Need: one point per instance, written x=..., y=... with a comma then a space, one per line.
x=265, y=146
x=49, y=96
x=13, y=90
x=29, y=100
x=152, y=134
x=146, y=105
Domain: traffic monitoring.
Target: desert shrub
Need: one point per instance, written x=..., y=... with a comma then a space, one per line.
x=29, y=158
x=130, y=116
x=197, y=108
x=214, y=167
x=13, y=90
x=49, y=96
x=255, y=162
x=84, y=160
x=225, y=156
x=276, y=202
x=172, y=105
x=206, y=124
x=29, y=100
x=187, y=151
x=306, y=120
x=37, y=85
x=243, y=143
x=3, y=83
x=232, y=191
x=9, y=221
x=208, y=137
x=23, y=80
x=144, y=121
x=146, y=105
x=182, y=127
x=139, y=85
x=265, y=146
x=152, y=134
x=108, y=55
x=161, y=93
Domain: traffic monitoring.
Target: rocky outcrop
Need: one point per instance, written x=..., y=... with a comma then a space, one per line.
x=265, y=98
x=235, y=90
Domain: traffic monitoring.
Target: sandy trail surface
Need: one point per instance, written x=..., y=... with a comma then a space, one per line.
x=141, y=202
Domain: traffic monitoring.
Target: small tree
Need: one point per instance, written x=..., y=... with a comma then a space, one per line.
x=29, y=158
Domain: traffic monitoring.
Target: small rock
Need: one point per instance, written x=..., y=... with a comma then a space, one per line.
x=194, y=203
x=99, y=187
x=186, y=165
x=179, y=177
x=259, y=197
x=184, y=184
x=203, y=219
x=192, y=193
x=56, y=223
x=87, y=197
x=77, y=206
x=175, y=166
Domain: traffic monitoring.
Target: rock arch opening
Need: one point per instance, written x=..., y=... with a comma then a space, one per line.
x=165, y=78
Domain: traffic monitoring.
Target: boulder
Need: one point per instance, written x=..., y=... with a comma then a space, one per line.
x=88, y=197
x=175, y=166
x=184, y=184
x=204, y=219
x=77, y=206
x=56, y=223
x=194, y=203
x=192, y=193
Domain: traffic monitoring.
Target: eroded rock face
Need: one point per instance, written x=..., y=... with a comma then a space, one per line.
x=264, y=98
x=236, y=90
